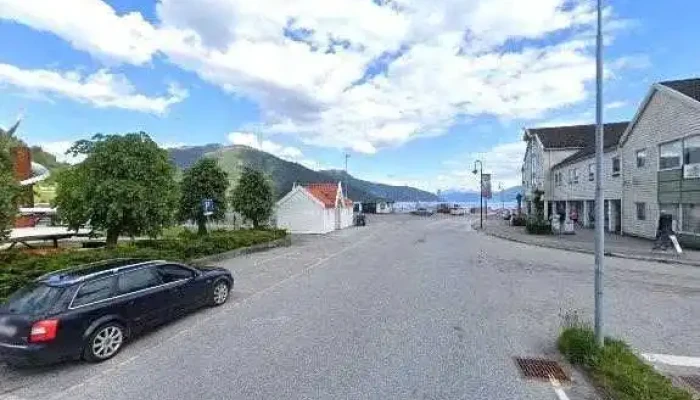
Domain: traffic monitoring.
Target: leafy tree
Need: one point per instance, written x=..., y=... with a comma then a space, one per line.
x=253, y=197
x=8, y=186
x=125, y=186
x=204, y=180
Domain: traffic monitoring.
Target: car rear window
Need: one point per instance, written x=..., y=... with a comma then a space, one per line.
x=34, y=299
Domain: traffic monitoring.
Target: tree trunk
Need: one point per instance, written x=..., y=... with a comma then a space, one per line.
x=256, y=223
x=201, y=226
x=112, y=236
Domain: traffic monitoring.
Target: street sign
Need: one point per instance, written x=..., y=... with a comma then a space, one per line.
x=208, y=207
x=486, y=186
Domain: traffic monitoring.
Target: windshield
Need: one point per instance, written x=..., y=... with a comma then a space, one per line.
x=33, y=299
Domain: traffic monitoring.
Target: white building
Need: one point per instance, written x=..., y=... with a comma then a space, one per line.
x=661, y=162
x=314, y=208
x=556, y=164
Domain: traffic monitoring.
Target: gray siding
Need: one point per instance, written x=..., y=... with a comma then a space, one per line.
x=665, y=118
x=585, y=189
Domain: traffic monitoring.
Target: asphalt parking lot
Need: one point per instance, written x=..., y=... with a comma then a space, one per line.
x=407, y=307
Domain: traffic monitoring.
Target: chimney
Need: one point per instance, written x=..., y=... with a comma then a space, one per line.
x=22, y=157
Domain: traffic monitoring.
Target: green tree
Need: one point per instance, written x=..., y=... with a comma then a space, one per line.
x=125, y=186
x=8, y=186
x=204, y=180
x=253, y=197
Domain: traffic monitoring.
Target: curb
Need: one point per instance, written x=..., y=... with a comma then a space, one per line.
x=586, y=251
x=283, y=242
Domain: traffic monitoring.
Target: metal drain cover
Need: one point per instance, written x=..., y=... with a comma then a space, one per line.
x=538, y=368
x=693, y=381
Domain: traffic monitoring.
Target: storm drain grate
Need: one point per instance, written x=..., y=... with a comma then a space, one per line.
x=537, y=368
x=692, y=381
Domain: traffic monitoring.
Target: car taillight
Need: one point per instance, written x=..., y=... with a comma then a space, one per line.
x=44, y=331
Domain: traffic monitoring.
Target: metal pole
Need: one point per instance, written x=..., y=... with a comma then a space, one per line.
x=481, y=195
x=599, y=206
x=345, y=190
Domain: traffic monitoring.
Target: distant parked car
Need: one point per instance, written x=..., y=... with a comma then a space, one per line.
x=360, y=220
x=92, y=310
x=423, y=212
x=458, y=211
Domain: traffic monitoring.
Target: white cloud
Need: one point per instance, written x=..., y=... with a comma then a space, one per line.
x=288, y=153
x=101, y=89
x=59, y=148
x=356, y=74
x=615, y=105
x=503, y=161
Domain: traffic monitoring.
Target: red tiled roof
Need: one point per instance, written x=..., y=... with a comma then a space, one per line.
x=325, y=193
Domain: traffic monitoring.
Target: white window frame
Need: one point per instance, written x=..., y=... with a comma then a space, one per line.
x=636, y=211
x=591, y=172
x=644, y=158
x=680, y=156
x=612, y=166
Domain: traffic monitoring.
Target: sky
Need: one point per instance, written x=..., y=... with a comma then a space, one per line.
x=414, y=90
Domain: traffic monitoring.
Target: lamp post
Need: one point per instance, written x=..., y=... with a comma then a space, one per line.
x=346, y=189
x=503, y=202
x=481, y=191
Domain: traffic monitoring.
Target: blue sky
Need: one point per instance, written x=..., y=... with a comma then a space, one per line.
x=415, y=90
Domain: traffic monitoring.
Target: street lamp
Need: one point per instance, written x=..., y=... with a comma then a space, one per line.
x=503, y=202
x=481, y=191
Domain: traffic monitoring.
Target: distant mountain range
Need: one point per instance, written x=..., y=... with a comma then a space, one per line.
x=285, y=173
x=472, y=196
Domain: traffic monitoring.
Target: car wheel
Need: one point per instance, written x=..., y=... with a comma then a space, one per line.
x=105, y=342
x=220, y=293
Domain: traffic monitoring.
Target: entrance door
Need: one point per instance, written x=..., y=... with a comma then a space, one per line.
x=606, y=213
x=617, y=212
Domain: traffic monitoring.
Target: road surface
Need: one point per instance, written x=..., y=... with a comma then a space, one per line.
x=405, y=308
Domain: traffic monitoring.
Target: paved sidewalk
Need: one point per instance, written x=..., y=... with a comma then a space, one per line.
x=582, y=241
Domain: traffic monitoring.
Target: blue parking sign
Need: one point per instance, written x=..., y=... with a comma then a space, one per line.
x=208, y=207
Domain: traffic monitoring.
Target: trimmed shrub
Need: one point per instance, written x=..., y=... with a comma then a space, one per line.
x=18, y=268
x=519, y=220
x=537, y=226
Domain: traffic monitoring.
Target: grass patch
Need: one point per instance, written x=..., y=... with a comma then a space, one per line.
x=18, y=268
x=615, y=368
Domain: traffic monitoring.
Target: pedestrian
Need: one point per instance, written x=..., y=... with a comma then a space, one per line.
x=574, y=216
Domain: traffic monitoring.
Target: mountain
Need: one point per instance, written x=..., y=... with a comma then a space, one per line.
x=395, y=193
x=472, y=196
x=285, y=173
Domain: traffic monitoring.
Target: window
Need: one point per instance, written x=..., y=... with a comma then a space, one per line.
x=641, y=211
x=691, y=218
x=616, y=166
x=33, y=299
x=93, y=291
x=173, y=273
x=138, y=279
x=670, y=155
x=691, y=150
x=641, y=158
x=591, y=172
x=571, y=176
x=557, y=178
x=575, y=175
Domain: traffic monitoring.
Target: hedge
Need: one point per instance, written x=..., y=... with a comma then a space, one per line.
x=18, y=268
x=616, y=369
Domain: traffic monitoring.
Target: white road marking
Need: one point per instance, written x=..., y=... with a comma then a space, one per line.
x=678, y=361
x=561, y=394
x=197, y=324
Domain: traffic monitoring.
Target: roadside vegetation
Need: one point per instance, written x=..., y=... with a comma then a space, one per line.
x=614, y=368
x=126, y=188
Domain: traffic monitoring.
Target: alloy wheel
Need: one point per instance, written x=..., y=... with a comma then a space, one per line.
x=107, y=342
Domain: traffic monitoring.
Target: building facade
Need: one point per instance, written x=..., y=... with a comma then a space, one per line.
x=651, y=166
x=661, y=161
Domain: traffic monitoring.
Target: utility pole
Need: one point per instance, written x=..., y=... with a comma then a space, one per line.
x=481, y=191
x=599, y=206
x=345, y=192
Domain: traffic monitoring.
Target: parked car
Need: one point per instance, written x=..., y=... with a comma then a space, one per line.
x=458, y=211
x=92, y=310
x=424, y=212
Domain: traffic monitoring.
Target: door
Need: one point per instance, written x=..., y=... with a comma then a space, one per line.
x=146, y=298
x=187, y=291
